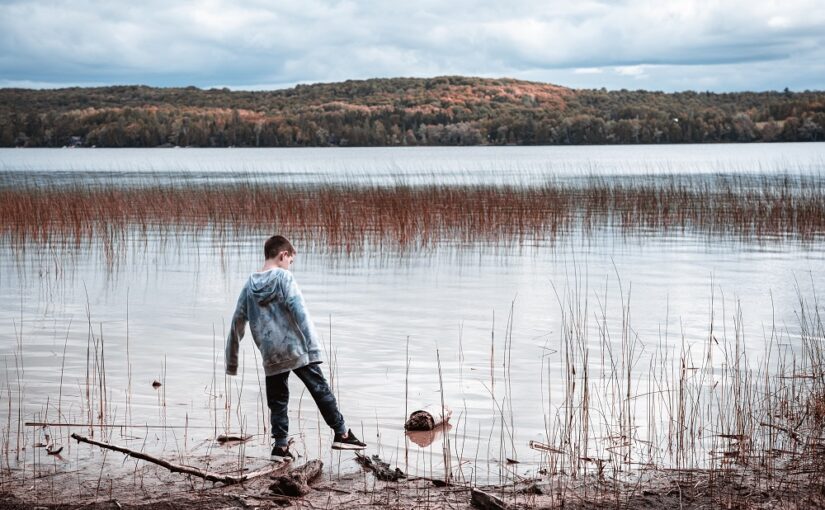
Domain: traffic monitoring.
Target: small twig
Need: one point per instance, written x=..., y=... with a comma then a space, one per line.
x=331, y=489
x=786, y=430
x=112, y=425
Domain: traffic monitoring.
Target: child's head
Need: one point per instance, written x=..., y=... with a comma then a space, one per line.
x=278, y=248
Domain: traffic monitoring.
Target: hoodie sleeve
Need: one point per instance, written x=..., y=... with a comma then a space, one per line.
x=294, y=301
x=236, y=332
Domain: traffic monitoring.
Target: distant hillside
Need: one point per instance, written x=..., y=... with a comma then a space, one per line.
x=447, y=110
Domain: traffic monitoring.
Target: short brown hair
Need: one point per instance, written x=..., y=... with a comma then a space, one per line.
x=275, y=245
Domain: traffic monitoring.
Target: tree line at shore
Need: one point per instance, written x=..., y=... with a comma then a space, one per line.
x=401, y=111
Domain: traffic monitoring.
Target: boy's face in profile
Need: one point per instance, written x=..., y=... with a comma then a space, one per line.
x=284, y=260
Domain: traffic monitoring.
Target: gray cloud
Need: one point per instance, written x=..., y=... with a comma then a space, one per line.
x=729, y=45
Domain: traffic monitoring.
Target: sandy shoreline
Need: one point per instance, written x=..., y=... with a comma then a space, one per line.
x=800, y=483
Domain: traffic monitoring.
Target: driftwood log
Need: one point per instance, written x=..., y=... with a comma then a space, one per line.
x=428, y=417
x=177, y=468
x=487, y=501
x=379, y=468
x=296, y=482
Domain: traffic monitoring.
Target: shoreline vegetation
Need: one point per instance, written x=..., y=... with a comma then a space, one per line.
x=721, y=423
x=447, y=110
x=721, y=427
x=351, y=217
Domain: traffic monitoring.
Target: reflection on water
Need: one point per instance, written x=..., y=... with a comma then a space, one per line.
x=425, y=438
x=588, y=336
x=85, y=345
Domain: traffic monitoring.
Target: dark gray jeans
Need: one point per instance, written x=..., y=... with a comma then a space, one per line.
x=277, y=398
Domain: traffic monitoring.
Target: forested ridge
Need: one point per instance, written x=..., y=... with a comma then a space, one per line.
x=401, y=111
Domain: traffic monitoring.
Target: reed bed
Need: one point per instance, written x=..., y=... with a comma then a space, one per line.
x=640, y=422
x=353, y=216
x=728, y=402
x=709, y=410
x=718, y=423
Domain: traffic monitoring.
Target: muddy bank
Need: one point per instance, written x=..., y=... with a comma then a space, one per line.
x=801, y=484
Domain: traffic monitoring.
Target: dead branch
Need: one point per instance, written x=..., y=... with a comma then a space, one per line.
x=296, y=482
x=177, y=468
x=487, y=501
x=233, y=438
x=536, y=445
x=379, y=468
x=331, y=489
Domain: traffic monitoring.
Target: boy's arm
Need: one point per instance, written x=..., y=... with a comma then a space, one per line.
x=236, y=331
x=294, y=301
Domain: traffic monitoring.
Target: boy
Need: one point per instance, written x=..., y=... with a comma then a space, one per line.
x=283, y=331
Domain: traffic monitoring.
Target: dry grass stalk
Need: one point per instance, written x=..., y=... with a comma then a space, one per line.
x=352, y=217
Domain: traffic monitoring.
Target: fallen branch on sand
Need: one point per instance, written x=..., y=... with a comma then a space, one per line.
x=296, y=482
x=487, y=501
x=177, y=468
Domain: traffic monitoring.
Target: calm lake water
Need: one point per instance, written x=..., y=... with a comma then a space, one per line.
x=413, y=165
x=493, y=318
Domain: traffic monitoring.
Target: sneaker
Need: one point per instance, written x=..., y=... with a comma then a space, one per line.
x=350, y=442
x=281, y=454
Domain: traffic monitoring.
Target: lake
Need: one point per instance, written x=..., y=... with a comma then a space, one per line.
x=574, y=342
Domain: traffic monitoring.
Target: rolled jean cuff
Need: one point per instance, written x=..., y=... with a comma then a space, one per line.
x=281, y=441
x=342, y=429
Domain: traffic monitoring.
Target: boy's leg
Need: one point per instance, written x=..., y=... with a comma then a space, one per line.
x=313, y=379
x=277, y=398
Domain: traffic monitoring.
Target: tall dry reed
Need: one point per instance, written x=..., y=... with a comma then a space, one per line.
x=351, y=217
x=728, y=406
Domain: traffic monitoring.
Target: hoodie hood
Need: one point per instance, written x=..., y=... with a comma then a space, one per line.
x=265, y=286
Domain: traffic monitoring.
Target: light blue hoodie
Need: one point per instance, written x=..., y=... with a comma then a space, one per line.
x=278, y=318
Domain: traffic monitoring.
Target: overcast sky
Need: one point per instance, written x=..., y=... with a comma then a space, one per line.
x=255, y=44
